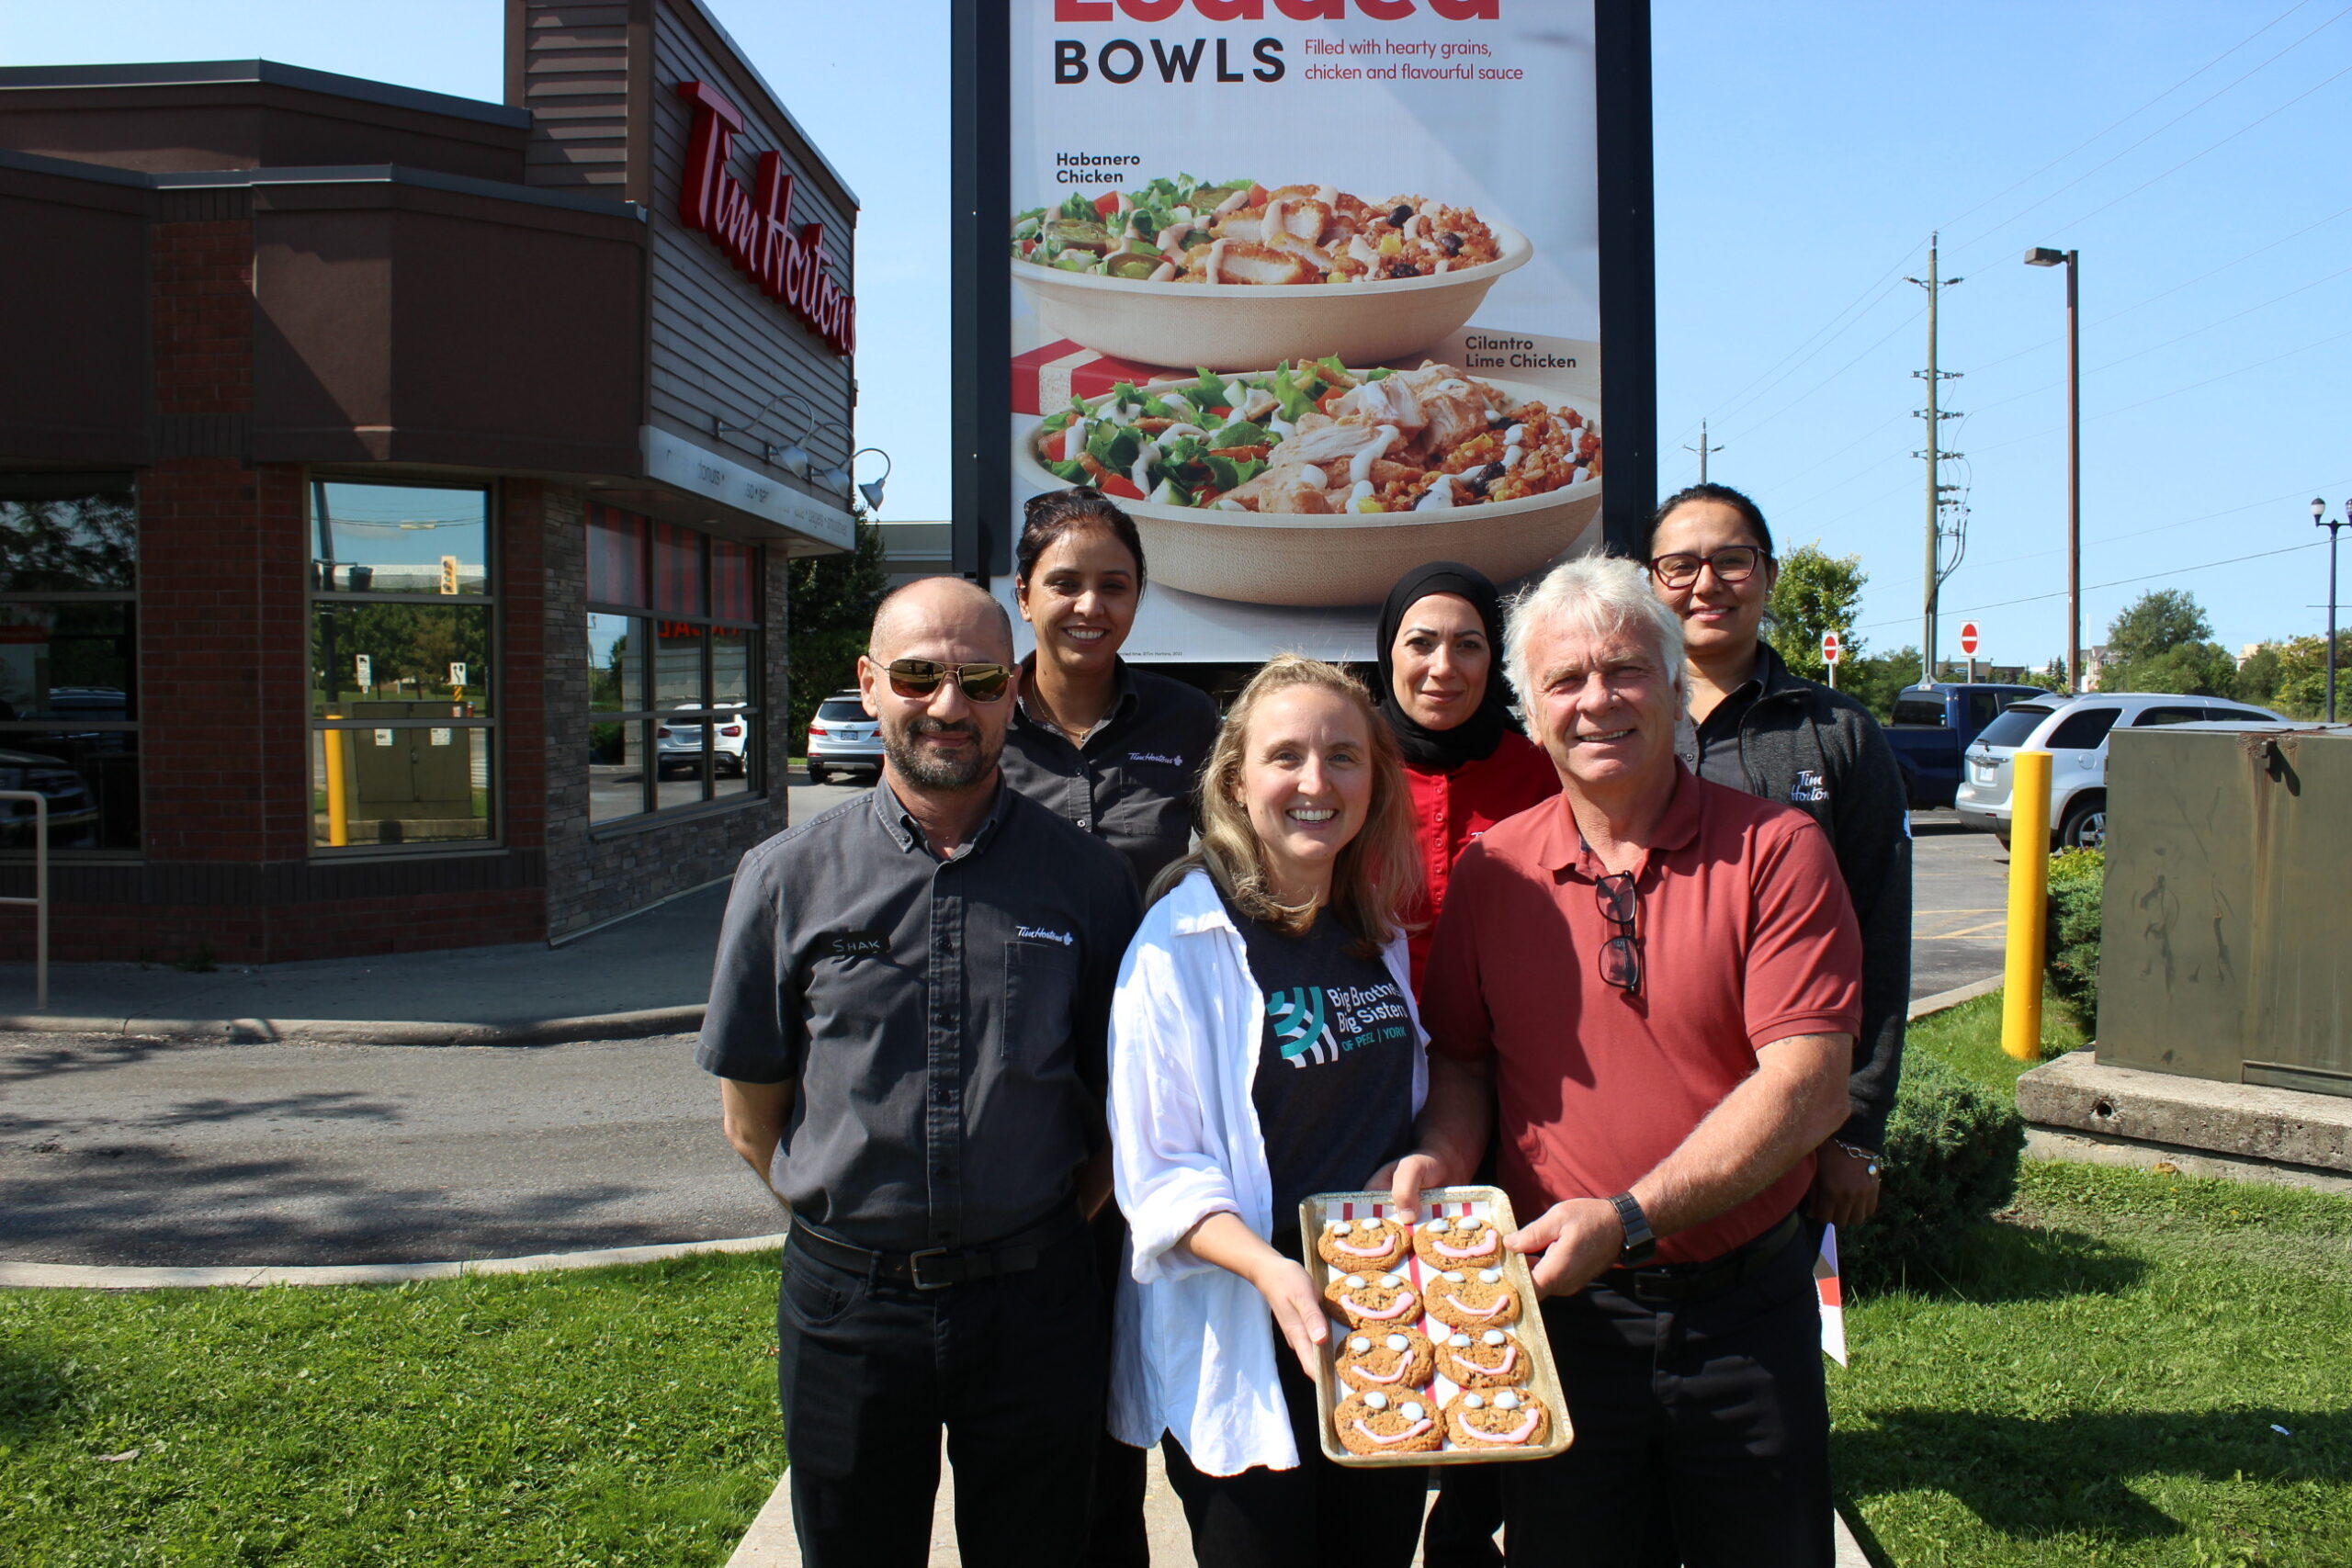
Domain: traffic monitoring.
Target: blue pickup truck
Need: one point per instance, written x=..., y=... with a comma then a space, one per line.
x=1933, y=725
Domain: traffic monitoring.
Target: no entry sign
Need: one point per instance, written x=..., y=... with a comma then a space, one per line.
x=1831, y=648
x=1967, y=638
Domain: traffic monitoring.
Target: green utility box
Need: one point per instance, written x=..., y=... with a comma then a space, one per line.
x=403, y=784
x=2229, y=865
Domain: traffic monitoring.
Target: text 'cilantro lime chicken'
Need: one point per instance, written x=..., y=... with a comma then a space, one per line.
x=1318, y=439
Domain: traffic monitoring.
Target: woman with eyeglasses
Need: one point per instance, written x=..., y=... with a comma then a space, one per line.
x=1265, y=1047
x=1755, y=726
x=1112, y=748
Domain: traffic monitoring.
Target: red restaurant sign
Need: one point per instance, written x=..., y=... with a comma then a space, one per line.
x=754, y=227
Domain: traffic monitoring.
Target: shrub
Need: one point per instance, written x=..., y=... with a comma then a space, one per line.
x=2078, y=883
x=1951, y=1160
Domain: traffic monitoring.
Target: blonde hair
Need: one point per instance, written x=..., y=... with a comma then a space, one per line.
x=1379, y=870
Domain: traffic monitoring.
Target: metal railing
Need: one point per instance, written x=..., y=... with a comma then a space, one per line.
x=40, y=901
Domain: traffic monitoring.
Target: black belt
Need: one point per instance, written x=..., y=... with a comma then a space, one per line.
x=936, y=1267
x=1672, y=1284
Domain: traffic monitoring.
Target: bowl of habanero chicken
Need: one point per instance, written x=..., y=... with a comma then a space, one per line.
x=1234, y=274
x=1313, y=484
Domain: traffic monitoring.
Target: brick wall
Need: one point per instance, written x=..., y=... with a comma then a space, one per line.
x=596, y=874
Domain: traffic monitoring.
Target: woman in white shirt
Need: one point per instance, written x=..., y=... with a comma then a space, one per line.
x=1265, y=1047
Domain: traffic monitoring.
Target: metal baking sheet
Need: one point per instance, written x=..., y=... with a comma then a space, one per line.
x=1484, y=1202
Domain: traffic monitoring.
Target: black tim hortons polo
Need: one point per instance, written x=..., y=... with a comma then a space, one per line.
x=1131, y=782
x=945, y=1020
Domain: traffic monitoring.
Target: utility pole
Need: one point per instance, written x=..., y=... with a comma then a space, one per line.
x=1936, y=572
x=1703, y=449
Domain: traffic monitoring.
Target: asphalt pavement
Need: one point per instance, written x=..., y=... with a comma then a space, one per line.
x=300, y=1114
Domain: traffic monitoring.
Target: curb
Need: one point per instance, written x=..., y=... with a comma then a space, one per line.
x=1943, y=1001
x=635, y=1025
x=102, y=1276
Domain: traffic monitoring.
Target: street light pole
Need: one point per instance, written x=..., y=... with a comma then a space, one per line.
x=2320, y=517
x=2042, y=255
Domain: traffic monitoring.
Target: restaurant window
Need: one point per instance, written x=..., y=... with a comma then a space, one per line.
x=403, y=611
x=68, y=666
x=673, y=663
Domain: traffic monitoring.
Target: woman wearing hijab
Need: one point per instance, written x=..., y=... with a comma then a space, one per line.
x=1441, y=690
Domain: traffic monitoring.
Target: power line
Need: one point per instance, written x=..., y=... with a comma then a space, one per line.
x=2119, y=583
x=1784, y=407
x=2166, y=527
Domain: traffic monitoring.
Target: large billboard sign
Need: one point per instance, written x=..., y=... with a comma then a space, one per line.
x=1317, y=288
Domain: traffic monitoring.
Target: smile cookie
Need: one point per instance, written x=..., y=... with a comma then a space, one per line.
x=1489, y=1359
x=1377, y=1301
x=1473, y=1302
x=1362, y=1246
x=1373, y=1423
x=1466, y=1243
x=1510, y=1419
x=1395, y=1362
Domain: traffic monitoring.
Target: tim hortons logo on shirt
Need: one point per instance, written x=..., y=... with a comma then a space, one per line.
x=1159, y=757
x=1039, y=933
x=1809, y=790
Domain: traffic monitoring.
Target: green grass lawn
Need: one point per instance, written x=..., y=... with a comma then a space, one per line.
x=618, y=1417
x=2099, y=1381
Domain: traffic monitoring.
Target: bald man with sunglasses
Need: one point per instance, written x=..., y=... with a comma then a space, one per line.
x=907, y=1016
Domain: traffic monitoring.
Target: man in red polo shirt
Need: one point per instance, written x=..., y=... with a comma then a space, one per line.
x=1657, y=981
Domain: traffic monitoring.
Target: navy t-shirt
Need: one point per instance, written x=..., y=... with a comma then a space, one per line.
x=1334, y=1086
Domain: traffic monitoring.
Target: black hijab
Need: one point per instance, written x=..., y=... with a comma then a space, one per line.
x=1476, y=738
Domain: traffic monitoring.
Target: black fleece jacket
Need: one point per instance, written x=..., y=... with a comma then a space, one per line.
x=1822, y=753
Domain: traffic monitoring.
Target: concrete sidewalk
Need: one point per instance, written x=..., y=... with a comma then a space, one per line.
x=648, y=975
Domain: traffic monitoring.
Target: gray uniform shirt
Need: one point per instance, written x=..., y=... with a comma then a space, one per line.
x=1131, y=782
x=945, y=1020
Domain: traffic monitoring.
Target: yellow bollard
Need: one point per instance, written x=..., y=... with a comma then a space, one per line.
x=2029, y=904
x=338, y=812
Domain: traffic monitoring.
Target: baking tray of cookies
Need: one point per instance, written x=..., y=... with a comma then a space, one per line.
x=1442, y=1357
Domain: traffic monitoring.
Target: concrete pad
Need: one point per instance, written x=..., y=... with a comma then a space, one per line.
x=2089, y=1148
x=2243, y=1121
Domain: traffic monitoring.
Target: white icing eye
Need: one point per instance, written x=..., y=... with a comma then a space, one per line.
x=1359, y=1345
x=1492, y=1336
x=1474, y=1402
x=1411, y=1411
x=1437, y=1225
x=1453, y=1277
x=1375, y=1400
x=1353, y=1282
x=1458, y=1341
x=1368, y=1228
x=1338, y=1227
x=1506, y=1401
x=1491, y=1276
x=1397, y=1342
x=1390, y=1282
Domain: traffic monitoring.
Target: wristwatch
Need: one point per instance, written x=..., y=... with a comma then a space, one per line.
x=1640, y=1244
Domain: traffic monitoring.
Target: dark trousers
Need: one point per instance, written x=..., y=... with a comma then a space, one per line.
x=1317, y=1516
x=1116, y=1536
x=1710, y=1416
x=869, y=1370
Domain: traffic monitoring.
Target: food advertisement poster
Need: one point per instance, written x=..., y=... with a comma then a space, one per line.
x=1313, y=289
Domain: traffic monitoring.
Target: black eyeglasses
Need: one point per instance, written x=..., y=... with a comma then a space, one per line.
x=919, y=678
x=1621, y=958
x=1733, y=563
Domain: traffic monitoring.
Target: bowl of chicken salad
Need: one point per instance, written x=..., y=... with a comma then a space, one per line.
x=1316, y=484
x=1234, y=274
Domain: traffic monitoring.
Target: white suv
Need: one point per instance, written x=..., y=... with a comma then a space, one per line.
x=2074, y=731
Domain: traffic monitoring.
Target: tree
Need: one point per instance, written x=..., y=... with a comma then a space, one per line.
x=2157, y=623
x=2163, y=642
x=832, y=609
x=2291, y=676
x=1873, y=682
x=2050, y=677
x=1817, y=592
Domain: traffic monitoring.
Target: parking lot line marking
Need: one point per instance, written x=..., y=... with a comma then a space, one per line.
x=1969, y=931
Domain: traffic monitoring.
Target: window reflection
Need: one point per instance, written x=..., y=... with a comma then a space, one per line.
x=399, y=539
x=72, y=543
x=616, y=769
x=89, y=779
x=677, y=666
x=400, y=661
x=730, y=666
x=616, y=664
x=399, y=784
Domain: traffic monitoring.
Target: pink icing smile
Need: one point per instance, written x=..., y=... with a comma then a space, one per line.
x=1415, y=1430
x=1404, y=1304
x=1478, y=1251
x=1360, y=1369
x=1383, y=1250
x=1489, y=1310
x=1519, y=1434
x=1510, y=1357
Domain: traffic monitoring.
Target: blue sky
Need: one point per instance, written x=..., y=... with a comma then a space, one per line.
x=2191, y=151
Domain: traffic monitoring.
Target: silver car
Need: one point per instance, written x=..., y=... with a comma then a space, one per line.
x=843, y=737
x=2073, y=730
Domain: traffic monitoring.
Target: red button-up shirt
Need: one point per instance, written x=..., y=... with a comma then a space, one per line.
x=1453, y=807
x=1746, y=938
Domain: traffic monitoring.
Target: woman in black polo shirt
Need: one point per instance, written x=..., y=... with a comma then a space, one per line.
x=1112, y=748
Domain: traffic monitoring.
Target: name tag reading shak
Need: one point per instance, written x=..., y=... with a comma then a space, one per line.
x=851, y=945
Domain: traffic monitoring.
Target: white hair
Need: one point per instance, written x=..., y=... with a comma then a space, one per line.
x=1597, y=594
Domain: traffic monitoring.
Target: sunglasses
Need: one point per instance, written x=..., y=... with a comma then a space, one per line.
x=1621, y=958
x=919, y=678
x=1733, y=563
